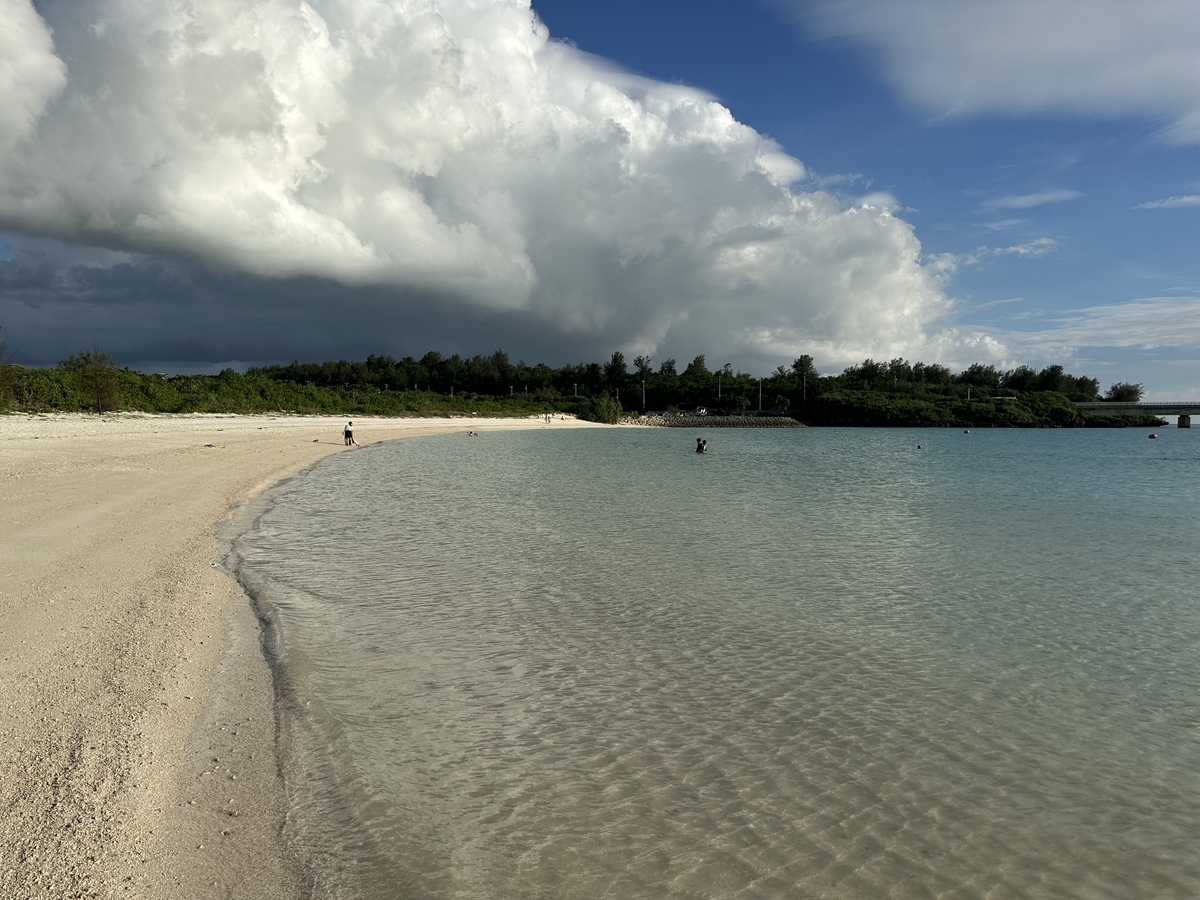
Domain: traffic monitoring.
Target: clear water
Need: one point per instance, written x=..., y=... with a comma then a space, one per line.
x=814, y=663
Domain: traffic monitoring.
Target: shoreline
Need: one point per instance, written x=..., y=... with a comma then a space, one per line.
x=137, y=730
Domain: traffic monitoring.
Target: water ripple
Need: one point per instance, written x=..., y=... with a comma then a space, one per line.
x=812, y=664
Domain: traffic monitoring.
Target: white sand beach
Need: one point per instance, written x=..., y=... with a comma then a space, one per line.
x=137, y=734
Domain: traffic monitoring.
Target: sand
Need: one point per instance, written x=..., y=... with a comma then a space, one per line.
x=137, y=726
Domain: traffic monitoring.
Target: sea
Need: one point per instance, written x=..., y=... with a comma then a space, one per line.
x=811, y=663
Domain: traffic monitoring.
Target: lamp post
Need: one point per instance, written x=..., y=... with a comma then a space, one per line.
x=760, y=394
x=576, y=389
x=718, y=386
x=643, y=395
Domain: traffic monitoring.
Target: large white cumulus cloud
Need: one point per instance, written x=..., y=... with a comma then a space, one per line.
x=30, y=73
x=444, y=146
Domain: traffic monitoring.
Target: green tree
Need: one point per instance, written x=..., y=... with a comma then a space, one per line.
x=1125, y=392
x=601, y=409
x=931, y=373
x=8, y=372
x=667, y=367
x=642, y=364
x=96, y=374
x=1051, y=378
x=980, y=376
x=615, y=370
x=1020, y=379
x=803, y=366
x=899, y=371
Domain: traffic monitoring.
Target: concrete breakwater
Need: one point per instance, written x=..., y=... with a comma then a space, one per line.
x=713, y=421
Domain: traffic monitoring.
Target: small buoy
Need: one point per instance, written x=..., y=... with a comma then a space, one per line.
x=1153, y=436
x=918, y=446
x=966, y=431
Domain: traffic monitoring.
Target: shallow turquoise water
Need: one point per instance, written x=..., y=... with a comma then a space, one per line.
x=814, y=663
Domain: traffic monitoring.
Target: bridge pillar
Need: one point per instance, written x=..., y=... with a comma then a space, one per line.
x=1185, y=421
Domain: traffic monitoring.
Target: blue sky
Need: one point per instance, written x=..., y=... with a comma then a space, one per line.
x=1050, y=212
x=1015, y=182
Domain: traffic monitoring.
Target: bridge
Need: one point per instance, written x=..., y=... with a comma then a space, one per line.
x=1185, y=410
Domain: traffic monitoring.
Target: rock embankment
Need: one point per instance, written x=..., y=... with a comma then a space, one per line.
x=713, y=421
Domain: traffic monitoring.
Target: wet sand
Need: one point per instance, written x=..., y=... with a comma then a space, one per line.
x=137, y=727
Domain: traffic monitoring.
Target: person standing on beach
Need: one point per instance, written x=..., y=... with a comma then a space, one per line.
x=348, y=435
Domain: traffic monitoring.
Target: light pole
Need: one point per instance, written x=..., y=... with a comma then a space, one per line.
x=718, y=387
x=643, y=395
x=760, y=394
x=576, y=389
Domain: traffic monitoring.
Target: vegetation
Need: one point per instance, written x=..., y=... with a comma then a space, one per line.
x=96, y=375
x=1124, y=392
x=8, y=374
x=871, y=393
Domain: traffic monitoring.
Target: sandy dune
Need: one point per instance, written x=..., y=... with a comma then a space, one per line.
x=136, y=723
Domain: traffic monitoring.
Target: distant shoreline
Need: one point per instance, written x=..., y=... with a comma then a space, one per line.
x=790, y=419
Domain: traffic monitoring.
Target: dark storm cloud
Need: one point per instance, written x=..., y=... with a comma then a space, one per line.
x=362, y=167
x=180, y=315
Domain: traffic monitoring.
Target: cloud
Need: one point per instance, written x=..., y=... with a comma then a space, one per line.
x=1038, y=247
x=1146, y=324
x=438, y=152
x=30, y=73
x=1154, y=340
x=1002, y=225
x=1172, y=202
x=944, y=265
x=1028, y=201
x=1078, y=57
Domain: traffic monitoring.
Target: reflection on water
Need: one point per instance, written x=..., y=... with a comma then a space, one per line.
x=815, y=663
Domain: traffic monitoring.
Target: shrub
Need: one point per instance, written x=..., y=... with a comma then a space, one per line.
x=8, y=373
x=96, y=374
x=1125, y=392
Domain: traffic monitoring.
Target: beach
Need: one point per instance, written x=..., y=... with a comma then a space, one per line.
x=137, y=727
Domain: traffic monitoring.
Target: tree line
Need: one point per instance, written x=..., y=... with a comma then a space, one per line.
x=872, y=392
x=644, y=386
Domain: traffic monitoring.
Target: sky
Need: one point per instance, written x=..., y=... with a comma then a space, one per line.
x=190, y=186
